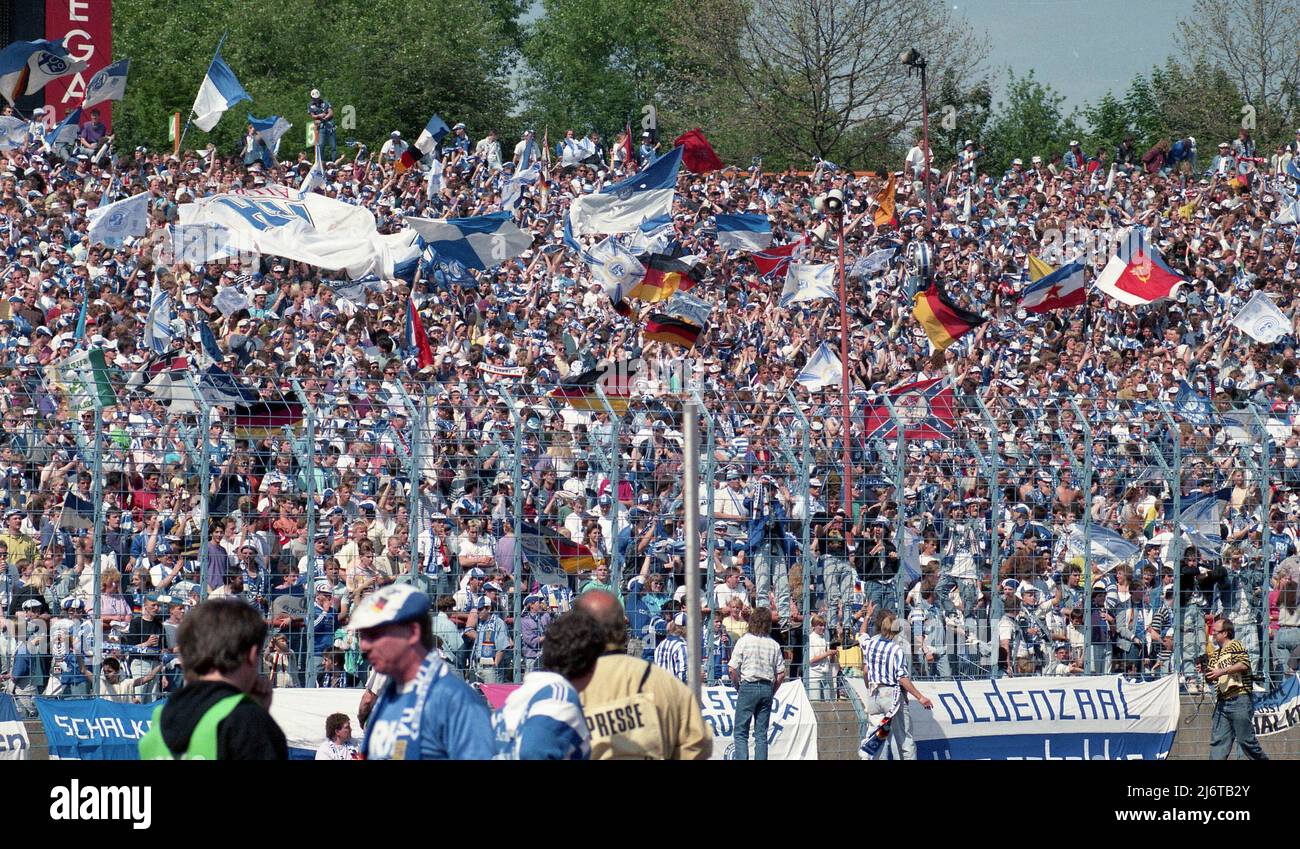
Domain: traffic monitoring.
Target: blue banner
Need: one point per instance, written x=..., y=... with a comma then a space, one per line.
x=94, y=729
x=14, y=745
x=1279, y=710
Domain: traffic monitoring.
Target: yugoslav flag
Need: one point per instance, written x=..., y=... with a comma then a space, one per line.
x=219, y=92
x=823, y=369
x=480, y=242
x=108, y=84
x=743, y=232
x=808, y=283
x=621, y=207
x=1061, y=289
x=26, y=66
x=1136, y=275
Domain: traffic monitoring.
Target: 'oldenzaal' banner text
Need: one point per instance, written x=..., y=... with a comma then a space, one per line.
x=1102, y=717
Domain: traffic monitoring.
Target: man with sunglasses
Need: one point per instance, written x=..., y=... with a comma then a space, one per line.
x=1228, y=667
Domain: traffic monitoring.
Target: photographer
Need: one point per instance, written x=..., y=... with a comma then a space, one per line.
x=1228, y=668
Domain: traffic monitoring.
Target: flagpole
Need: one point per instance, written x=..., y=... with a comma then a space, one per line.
x=181, y=144
x=844, y=380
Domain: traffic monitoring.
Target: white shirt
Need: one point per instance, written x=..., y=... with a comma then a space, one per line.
x=331, y=751
x=757, y=659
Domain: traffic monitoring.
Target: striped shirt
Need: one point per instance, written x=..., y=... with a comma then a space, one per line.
x=757, y=659
x=1231, y=654
x=671, y=655
x=542, y=720
x=883, y=661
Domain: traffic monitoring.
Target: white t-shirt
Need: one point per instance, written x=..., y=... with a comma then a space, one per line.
x=331, y=751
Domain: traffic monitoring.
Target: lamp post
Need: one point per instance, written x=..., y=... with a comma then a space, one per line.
x=914, y=60
x=833, y=206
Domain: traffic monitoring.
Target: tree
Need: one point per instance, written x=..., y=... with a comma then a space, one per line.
x=1257, y=44
x=957, y=114
x=1029, y=123
x=449, y=59
x=1109, y=122
x=821, y=79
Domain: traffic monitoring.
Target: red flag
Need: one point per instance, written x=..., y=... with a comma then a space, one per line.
x=773, y=260
x=415, y=336
x=698, y=155
x=629, y=153
x=406, y=161
x=928, y=407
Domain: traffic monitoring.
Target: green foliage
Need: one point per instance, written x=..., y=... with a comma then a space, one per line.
x=957, y=114
x=395, y=63
x=1109, y=121
x=1029, y=123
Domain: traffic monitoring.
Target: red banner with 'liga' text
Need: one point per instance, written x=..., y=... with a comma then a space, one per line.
x=87, y=29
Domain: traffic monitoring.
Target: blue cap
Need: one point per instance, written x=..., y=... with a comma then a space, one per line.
x=394, y=603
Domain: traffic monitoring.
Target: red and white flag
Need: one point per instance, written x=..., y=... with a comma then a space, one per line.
x=1136, y=275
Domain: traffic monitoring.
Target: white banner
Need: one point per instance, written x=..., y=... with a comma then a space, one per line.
x=1100, y=717
x=1279, y=710
x=313, y=228
x=301, y=715
x=791, y=728
x=14, y=745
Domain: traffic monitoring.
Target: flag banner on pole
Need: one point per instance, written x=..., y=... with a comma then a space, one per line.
x=613, y=378
x=108, y=84
x=111, y=225
x=431, y=135
x=415, y=339
x=652, y=236
x=271, y=130
x=13, y=132
x=775, y=260
x=697, y=154
x=26, y=66
x=823, y=370
x=944, y=322
x=886, y=204
x=480, y=242
x=219, y=91
x=615, y=267
x=1038, y=269
x=873, y=263
x=809, y=283
x=927, y=409
x=1063, y=288
x=1193, y=408
x=1261, y=320
x=1136, y=275
x=743, y=232
x=623, y=206
x=64, y=135
x=664, y=277
x=1105, y=548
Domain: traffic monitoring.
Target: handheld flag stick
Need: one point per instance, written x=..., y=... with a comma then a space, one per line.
x=181, y=144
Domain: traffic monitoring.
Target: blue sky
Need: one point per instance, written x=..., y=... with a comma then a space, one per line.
x=1081, y=47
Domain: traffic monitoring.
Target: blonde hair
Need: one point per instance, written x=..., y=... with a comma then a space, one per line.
x=889, y=626
x=109, y=574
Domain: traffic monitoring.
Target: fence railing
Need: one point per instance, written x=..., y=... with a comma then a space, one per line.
x=1011, y=538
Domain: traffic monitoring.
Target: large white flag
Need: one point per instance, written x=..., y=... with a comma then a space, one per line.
x=808, y=283
x=823, y=369
x=1261, y=320
x=110, y=225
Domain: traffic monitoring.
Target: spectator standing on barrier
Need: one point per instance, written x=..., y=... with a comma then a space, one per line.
x=339, y=744
x=757, y=668
x=884, y=670
x=1228, y=669
x=222, y=711
x=422, y=712
x=634, y=709
x=543, y=719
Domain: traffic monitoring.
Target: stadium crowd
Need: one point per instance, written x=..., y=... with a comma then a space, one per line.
x=971, y=538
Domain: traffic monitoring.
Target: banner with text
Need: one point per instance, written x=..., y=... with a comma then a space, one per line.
x=791, y=728
x=94, y=729
x=1280, y=709
x=1086, y=718
x=87, y=29
x=14, y=745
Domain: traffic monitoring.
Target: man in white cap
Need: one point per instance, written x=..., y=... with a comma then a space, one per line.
x=322, y=113
x=393, y=148
x=423, y=712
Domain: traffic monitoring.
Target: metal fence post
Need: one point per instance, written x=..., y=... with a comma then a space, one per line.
x=900, y=480
x=691, y=509
x=1265, y=539
x=1087, y=529
x=995, y=515
x=308, y=458
x=516, y=512
x=97, y=545
x=205, y=497
x=615, y=557
x=710, y=467
x=1174, y=474
x=805, y=532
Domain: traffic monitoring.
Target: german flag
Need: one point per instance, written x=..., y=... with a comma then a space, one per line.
x=266, y=418
x=580, y=392
x=407, y=160
x=664, y=275
x=574, y=557
x=944, y=321
x=673, y=331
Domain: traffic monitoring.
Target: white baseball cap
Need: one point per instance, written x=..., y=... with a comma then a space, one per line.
x=394, y=603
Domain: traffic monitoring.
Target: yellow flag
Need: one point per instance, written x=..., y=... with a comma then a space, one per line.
x=1038, y=269
x=885, y=212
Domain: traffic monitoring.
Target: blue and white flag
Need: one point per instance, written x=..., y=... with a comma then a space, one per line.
x=1201, y=519
x=513, y=191
x=1106, y=548
x=219, y=92
x=14, y=743
x=208, y=340
x=743, y=232
x=808, y=283
x=218, y=387
x=315, y=177
x=1194, y=409
x=652, y=236
x=434, y=181
x=480, y=242
x=111, y=225
x=1261, y=320
x=13, y=132
x=26, y=66
x=823, y=369
x=158, y=323
x=873, y=263
x=1288, y=214
x=615, y=267
x=432, y=133
x=93, y=729
x=623, y=206
x=200, y=243
x=108, y=84
x=65, y=134
x=270, y=130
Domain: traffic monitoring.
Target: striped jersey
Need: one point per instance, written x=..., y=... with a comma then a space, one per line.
x=883, y=661
x=670, y=654
x=542, y=721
